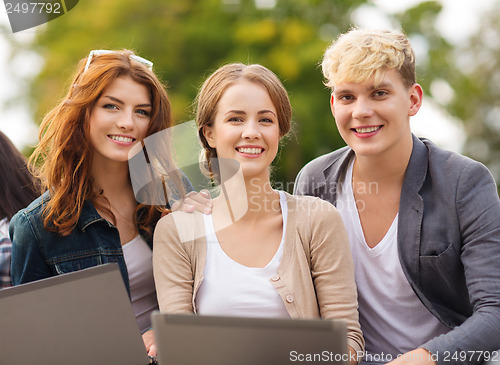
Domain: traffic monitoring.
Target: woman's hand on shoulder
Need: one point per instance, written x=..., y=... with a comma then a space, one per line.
x=193, y=201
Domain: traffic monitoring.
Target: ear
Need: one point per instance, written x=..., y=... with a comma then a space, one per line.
x=209, y=134
x=416, y=97
x=331, y=105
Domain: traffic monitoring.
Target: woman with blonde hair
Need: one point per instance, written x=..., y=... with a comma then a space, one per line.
x=89, y=215
x=262, y=252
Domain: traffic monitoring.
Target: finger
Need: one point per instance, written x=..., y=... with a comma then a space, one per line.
x=202, y=197
x=205, y=193
x=183, y=205
x=152, y=351
x=202, y=206
x=186, y=207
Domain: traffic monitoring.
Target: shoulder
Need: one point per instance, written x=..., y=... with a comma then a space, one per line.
x=322, y=163
x=452, y=166
x=440, y=175
x=180, y=226
x=164, y=225
x=440, y=156
x=32, y=213
x=26, y=226
x=319, y=177
x=315, y=209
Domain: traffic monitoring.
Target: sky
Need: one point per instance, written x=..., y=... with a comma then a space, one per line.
x=458, y=19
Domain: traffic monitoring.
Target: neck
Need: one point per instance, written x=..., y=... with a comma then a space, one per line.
x=261, y=197
x=112, y=179
x=252, y=200
x=384, y=168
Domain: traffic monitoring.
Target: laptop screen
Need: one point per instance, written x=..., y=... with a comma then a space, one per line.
x=79, y=318
x=191, y=339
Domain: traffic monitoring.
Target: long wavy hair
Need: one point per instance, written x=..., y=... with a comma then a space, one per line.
x=65, y=151
x=19, y=187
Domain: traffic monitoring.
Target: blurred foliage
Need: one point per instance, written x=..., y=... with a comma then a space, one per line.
x=477, y=100
x=189, y=39
x=472, y=72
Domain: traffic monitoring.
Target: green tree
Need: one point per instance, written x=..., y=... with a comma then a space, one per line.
x=477, y=98
x=188, y=39
x=473, y=73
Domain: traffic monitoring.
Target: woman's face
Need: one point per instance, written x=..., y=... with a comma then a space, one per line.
x=119, y=119
x=246, y=128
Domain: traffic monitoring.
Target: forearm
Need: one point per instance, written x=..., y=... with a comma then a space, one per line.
x=172, y=270
x=476, y=340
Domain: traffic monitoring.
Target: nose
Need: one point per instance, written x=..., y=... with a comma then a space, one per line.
x=125, y=120
x=362, y=109
x=251, y=130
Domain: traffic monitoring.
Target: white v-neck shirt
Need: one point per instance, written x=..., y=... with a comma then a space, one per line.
x=392, y=318
x=232, y=289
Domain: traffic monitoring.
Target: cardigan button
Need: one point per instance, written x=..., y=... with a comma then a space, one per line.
x=275, y=278
x=289, y=298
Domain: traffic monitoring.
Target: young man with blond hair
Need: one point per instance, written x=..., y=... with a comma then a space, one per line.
x=423, y=222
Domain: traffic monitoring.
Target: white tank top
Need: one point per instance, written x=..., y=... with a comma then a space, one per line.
x=392, y=318
x=138, y=258
x=232, y=289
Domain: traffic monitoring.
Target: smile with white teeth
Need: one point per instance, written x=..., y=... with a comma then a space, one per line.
x=250, y=151
x=121, y=139
x=367, y=129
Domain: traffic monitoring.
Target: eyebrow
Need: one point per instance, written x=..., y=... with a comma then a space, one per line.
x=371, y=88
x=121, y=102
x=241, y=112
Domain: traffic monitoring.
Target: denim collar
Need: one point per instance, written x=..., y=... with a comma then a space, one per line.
x=89, y=216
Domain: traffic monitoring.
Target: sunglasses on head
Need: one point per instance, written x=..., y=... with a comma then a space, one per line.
x=100, y=52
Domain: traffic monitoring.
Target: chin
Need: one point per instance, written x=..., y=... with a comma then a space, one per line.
x=366, y=151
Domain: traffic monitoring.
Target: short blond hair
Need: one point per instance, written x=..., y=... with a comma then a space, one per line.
x=362, y=54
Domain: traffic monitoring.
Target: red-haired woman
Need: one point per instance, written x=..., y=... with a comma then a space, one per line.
x=89, y=214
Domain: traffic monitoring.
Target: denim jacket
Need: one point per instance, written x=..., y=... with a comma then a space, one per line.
x=38, y=253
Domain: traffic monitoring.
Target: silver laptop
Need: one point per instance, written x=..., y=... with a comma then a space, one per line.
x=194, y=340
x=80, y=318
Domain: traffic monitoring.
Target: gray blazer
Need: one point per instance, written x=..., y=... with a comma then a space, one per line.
x=448, y=241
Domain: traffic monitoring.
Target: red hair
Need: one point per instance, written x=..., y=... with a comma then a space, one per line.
x=65, y=150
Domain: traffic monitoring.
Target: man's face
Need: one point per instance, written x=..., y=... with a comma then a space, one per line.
x=374, y=120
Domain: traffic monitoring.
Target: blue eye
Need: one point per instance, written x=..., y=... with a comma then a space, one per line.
x=110, y=106
x=143, y=112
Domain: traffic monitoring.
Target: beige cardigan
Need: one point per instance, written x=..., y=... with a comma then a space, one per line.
x=315, y=277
